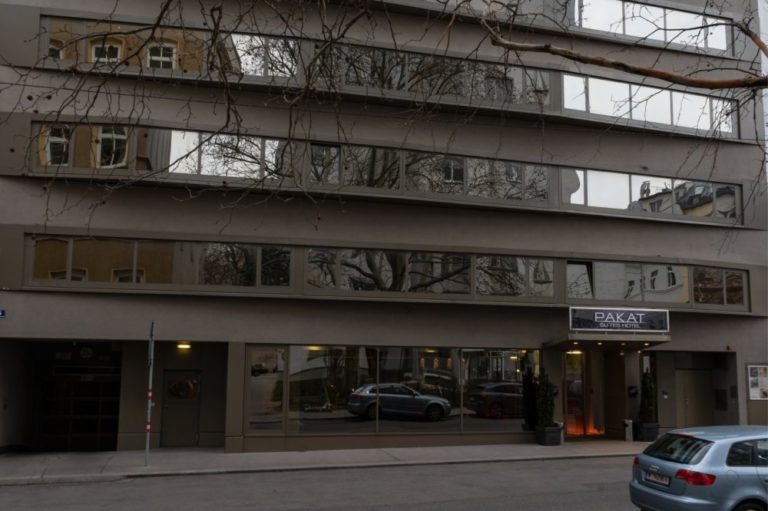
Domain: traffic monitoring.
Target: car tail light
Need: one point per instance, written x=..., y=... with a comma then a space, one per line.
x=695, y=478
x=636, y=462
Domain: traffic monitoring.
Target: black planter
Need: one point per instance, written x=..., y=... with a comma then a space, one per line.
x=548, y=436
x=646, y=431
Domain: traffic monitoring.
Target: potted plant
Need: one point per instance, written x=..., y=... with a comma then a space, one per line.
x=547, y=430
x=529, y=401
x=647, y=425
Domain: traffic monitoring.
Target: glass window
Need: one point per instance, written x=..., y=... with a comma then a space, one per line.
x=228, y=264
x=579, y=279
x=55, y=49
x=501, y=275
x=573, y=186
x=99, y=259
x=325, y=164
x=651, y=104
x=279, y=158
x=575, y=92
x=106, y=53
x=373, y=270
x=607, y=189
x=112, y=147
x=604, y=15
x=722, y=115
x=727, y=201
x=607, y=97
x=708, y=285
x=617, y=281
x=741, y=454
x=56, y=140
x=374, y=67
x=536, y=183
x=681, y=449
x=694, y=198
x=430, y=272
x=644, y=21
x=652, y=194
x=230, y=155
x=665, y=283
x=275, y=266
x=50, y=259
x=493, y=393
x=321, y=268
x=259, y=56
x=161, y=56
x=264, y=388
x=328, y=392
x=540, y=277
x=371, y=167
x=427, y=172
x=424, y=390
x=734, y=288
x=169, y=262
x=685, y=28
x=690, y=111
x=494, y=179
x=718, y=33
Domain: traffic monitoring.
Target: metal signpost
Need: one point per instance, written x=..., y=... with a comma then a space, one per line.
x=151, y=363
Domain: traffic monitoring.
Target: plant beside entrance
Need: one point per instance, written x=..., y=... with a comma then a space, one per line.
x=547, y=431
x=529, y=401
x=647, y=426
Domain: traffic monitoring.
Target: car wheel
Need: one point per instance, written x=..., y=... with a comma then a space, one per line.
x=370, y=412
x=496, y=411
x=750, y=506
x=434, y=413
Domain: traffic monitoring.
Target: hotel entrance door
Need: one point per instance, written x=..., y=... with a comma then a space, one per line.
x=584, y=393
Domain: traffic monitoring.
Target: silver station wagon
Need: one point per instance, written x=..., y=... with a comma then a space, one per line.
x=718, y=468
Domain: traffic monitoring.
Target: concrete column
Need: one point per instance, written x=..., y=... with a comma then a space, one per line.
x=233, y=427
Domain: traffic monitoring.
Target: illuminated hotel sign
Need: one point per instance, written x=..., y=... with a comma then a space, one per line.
x=603, y=319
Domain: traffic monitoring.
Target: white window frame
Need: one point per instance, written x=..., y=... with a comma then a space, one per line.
x=49, y=139
x=160, y=58
x=106, y=60
x=113, y=136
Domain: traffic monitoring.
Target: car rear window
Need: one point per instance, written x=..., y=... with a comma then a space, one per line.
x=679, y=449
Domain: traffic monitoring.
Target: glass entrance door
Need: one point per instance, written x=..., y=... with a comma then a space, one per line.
x=584, y=393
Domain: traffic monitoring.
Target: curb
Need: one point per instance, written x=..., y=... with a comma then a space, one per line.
x=105, y=478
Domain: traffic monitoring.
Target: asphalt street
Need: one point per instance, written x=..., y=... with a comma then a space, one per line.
x=593, y=484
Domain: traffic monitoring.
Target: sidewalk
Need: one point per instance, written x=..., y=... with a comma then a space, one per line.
x=16, y=469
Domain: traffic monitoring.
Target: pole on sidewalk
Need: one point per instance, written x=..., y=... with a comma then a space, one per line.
x=151, y=364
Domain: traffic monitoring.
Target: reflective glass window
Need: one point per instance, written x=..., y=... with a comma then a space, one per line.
x=685, y=28
x=694, y=198
x=573, y=186
x=55, y=141
x=500, y=275
x=325, y=164
x=434, y=173
x=430, y=272
x=166, y=262
x=371, y=167
x=651, y=104
x=605, y=15
x=617, y=281
x=708, y=285
x=575, y=92
x=112, y=147
x=665, y=283
x=540, y=277
x=722, y=115
x=259, y=56
x=329, y=389
x=652, y=194
x=423, y=390
x=536, y=183
x=494, y=395
x=607, y=97
x=50, y=261
x=727, y=201
x=374, y=67
x=275, y=266
x=373, y=270
x=690, y=111
x=494, y=179
x=734, y=288
x=321, y=268
x=161, y=56
x=644, y=21
x=264, y=388
x=717, y=33
x=102, y=260
x=228, y=264
x=607, y=189
x=579, y=280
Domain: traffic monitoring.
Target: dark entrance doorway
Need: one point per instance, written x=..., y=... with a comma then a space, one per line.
x=584, y=393
x=181, y=409
x=78, y=396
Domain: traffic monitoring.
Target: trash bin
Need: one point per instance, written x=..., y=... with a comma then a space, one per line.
x=628, y=431
x=562, y=432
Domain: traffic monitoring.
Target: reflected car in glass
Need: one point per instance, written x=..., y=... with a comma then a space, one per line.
x=717, y=468
x=500, y=400
x=396, y=399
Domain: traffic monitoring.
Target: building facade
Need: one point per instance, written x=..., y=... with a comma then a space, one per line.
x=301, y=200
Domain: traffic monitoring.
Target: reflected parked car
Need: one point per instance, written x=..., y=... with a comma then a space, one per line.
x=718, y=468
x=500, y=400
x=396, y=399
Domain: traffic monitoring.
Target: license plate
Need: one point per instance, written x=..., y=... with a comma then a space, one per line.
x=653, y=477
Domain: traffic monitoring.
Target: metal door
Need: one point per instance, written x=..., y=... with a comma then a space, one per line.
x=181, y=409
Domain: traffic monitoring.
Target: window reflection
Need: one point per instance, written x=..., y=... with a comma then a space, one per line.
x=430, y=272
x=651, y=104
x=325, y=164
x=501, y=275
x=373, y=270
x=665, y=283
x=228, y=264
x=434, y=173
x=617, y=281
x=321, y=268
x=322, y=382
x=608, y=97
x=371, y=167
x=734, y=288
x=579, y=280
x=643, y=21
x=275, y=266
x=54, y=145
x=708, y=285
x=264, y=388
x=102, y=260
x=50, y=262
x=253, y=55
x=608, y=189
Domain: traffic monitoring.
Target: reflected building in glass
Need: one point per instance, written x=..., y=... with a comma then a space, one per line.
x=381, y=237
